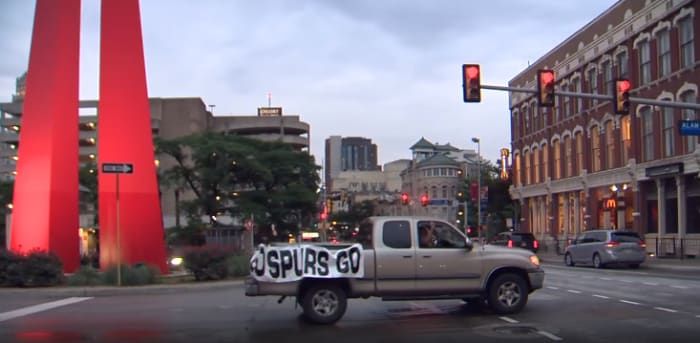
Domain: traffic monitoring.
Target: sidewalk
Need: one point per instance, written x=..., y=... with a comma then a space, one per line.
x=651, y=263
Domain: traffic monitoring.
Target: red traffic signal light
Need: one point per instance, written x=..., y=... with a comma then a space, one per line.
x=471, y=82
x=404, y=198
x=424, y=200
x=545, y=87
x=622, y=96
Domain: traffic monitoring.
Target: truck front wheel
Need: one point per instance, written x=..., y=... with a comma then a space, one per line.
x=507, y=294
x=324, y=303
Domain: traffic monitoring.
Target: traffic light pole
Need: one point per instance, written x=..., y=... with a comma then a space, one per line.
x=645, y=101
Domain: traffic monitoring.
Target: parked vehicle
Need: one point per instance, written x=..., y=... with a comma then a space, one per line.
x=604, y=247
x=395, y=258
x=510, y=239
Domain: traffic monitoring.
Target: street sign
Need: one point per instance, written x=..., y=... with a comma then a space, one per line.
x=117, y=168
x=689, y=127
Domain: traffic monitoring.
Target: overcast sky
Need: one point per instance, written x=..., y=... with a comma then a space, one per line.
x=388, y=70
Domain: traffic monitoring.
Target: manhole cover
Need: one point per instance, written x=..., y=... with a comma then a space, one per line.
x=515, y=330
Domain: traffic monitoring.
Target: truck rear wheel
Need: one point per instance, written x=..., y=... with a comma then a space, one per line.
x=324, y=303
x=507, y=294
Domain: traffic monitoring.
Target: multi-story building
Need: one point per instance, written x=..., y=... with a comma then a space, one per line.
x=349, y=154
x=578, y=165
x=170, y=118
x=437, y=171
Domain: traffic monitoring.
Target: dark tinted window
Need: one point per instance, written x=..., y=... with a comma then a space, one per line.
x=397, y=234
x=364, y=235
x=626, y=237
x=520, y=237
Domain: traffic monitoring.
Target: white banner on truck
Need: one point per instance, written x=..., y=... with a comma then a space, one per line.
x=291, y=263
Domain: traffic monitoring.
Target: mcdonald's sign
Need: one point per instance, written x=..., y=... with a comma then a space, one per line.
x=610, y=204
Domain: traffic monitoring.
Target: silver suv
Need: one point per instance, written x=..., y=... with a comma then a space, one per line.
x=602, y=247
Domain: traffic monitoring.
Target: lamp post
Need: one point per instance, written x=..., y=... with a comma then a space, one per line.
x=478, y=196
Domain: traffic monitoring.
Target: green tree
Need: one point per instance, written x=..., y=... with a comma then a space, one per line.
x=499, y=206
x=241, y=177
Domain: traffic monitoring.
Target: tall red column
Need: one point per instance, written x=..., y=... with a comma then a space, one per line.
x=45, y=214
x=124, y=136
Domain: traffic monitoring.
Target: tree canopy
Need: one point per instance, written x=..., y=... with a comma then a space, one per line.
x=240, y=177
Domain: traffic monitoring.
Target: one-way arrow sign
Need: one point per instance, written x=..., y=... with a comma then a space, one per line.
x=118, y=168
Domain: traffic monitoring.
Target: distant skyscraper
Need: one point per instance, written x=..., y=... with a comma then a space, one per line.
x=349, y=153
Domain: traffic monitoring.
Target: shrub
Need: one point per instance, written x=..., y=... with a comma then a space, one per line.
x=38, y=268
x=7, y=261
x=138, y=274
x=238, y=265
x=207, y=262
x=85, y=276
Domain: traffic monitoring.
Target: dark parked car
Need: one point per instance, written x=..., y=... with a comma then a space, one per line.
x=525, y=240
x=602, y=247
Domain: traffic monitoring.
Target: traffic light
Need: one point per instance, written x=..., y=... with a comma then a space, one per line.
x=460, y=211
x=424, y=200
x=460, y=196
x=545, y=87
x=404, y=198
x=622, y=96
x=471, y=82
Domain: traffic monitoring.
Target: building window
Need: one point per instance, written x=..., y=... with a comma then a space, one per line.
x=568, y=157
x=625, y=139
x=579, y=153
x=664, y=47
x=444, y=192
x=593, y=84
x=434, y=193
x=689, y=114
x=528, y=178
x=685, y=33
x=595, y=145
x=609, y=145
x=608, y=77
x=567, y=109
x=518, y=170
x=557, y=159
x=669, y=146
x=644, y=63
x=545, y=162
x=536, y=164
x=527, y=120
x=579, y=101
x=622, y=67
x=647, y=133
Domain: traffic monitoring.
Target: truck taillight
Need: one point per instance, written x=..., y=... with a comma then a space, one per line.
x=536, y=244
x=510, y=243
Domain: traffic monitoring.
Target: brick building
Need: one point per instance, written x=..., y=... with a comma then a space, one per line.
x=578, y=165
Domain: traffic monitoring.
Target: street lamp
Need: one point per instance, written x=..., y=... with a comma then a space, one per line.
x=478, y=196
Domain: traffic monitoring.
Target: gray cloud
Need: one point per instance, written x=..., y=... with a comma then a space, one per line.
x=386, y=70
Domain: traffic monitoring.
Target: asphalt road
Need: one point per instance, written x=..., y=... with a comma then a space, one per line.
x=576, y=305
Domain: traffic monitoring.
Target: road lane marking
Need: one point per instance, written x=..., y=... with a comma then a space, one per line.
x=629, y=302
x=606, y=279
x=573, y=291
x=509, y=320
x=600, y=296
x=680, y=287
x=627, y=281
x=665, y=309
x=39, y=308
x=554, y=288
x=549, y=335
x=650, y=283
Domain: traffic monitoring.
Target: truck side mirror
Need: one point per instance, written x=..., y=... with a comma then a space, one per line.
x=468, y=244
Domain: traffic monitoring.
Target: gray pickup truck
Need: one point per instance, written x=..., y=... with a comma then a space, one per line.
x=396, y=258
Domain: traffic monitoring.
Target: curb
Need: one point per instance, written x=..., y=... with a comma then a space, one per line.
x=66, y=291
x=649, y=264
